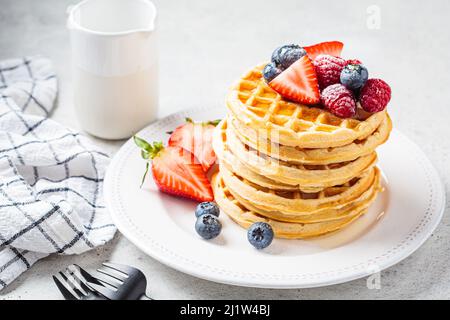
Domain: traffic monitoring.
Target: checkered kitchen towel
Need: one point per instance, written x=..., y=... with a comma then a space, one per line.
x=50, y=177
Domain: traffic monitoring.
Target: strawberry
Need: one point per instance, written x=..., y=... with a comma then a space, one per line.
x=175, y=171
x=298, y=82
x=332, y=48
x=197, y=139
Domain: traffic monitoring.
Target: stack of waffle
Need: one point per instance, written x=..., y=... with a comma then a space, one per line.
x=301, y=169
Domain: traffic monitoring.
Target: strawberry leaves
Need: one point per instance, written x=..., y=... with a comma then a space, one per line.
x=148, y=151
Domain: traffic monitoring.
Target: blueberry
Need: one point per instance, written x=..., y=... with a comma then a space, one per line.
x=207, y=207
x=260, y=235
x=286, y=55
x=271, y=71
x=208, y=226
x=354, y=76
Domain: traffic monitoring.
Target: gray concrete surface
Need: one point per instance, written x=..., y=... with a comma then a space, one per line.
x=204, y=46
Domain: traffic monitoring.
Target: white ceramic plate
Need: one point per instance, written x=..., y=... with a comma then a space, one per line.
x=401, y=219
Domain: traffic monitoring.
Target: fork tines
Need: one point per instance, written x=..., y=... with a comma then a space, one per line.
x=71, y=284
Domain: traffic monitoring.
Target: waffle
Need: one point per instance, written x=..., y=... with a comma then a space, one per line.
x=298, y=202
x=245, y=217
x=323, y=215
x=228, y=160
x=258, y=140
x=299, y=168
x=252, y=102
x=309, y=177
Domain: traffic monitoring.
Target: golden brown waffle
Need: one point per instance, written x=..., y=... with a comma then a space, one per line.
x=233, y=164
x=304, y=177
x=258, y=140
x=252, y=102
x=245, y=217
x=299, y=168
x=328, y=214
x=298, y=202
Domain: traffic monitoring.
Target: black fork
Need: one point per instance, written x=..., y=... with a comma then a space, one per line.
x=125, y=282
x=73, y=285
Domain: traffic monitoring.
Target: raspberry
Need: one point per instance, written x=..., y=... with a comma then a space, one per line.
x=375, y=95
x=328, y=69
x=339, y=101
x=353, y=61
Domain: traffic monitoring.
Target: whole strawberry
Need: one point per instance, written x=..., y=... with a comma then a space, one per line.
x=375, y=95
x=328, y=69
x=339, y=101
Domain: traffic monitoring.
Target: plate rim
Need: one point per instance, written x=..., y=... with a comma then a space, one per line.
x=343, y=275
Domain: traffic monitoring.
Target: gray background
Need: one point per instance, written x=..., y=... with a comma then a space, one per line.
x=204, y=46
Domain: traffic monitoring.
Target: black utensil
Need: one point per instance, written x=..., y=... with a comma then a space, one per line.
x=73, y=285
x=125, y=282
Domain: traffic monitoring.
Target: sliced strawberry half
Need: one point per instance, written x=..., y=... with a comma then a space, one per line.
x=298, y=82
x=333, y=48
x=175, y=171
x=197, y=139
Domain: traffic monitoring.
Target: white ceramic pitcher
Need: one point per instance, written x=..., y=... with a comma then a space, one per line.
x=115, y=65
